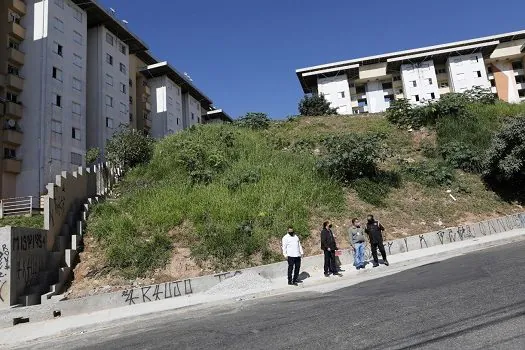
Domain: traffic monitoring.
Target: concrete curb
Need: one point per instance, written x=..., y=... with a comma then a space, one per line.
x=316, y=283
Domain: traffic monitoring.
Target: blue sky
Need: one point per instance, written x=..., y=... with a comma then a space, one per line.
x=243, y=54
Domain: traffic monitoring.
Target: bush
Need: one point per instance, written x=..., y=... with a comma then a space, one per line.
x=256, y=121
x=129, y=148
x=429, y=173
x=315, y=105
x=375, y=190
x=402, y=113
x=505, y=160
x=351, y=156
x=481, y=95
x=460, y=156
x=92, y=155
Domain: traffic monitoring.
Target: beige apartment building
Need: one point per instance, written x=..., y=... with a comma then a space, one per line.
x=369, y=84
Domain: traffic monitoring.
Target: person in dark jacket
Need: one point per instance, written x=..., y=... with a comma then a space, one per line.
x=375, y=233
x=329, y=247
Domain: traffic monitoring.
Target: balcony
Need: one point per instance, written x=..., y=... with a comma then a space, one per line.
x=18, y=6
x=15, y=56
x=147, y=90
x=12, y=166
x=17, y=31
x=14, y=82
x=12, y=137
x=147, y=106
x=13, y=110
x=147, y=123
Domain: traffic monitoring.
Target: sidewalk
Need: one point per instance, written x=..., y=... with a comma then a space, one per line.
x=317, y=283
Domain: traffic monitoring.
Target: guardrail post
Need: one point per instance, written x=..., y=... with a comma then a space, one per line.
x=30, y=205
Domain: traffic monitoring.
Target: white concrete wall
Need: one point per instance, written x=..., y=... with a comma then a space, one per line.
x=166, y=114
x=45, y=154
x=191, y=110
x=375, y=96
x=466, y=72
x=336, y=91
x=423, y=76
x=100, y=76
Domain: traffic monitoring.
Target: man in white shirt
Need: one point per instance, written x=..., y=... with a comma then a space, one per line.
x=293, y=251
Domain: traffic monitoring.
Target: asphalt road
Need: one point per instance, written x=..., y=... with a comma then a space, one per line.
x=474, y=301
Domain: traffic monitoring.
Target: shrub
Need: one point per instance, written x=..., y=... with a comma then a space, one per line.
x=129, y=148
x=244, y=178
x=429, y=173
x=402, y=114
x=351, y=156
x=505, y=159
x=92, y=155
x=315, y=105
x=256, y=121
x=481, y=95
x=460, y=156
x=375, y=190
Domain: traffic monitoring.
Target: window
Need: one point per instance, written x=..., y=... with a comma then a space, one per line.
x=521, y=93
x=400, y=91
x=441, y=70
x=123, y=68
x=77, y=15
x=75, y=133
x=14, y=44
x=58, y=100
x=77, y=37
x=77, y=109
x=493, y=83
x=109, y=39
x=178, y=90
x=109, y=101
x=109, y=59
x=13, y=70
x=387, y=86
x=77, y=84
x=123, y=88
x=360, y=90
x=362, y=102
x=177, y=121
x=416, y=97
x=60, y=3
x=342, y=94
x=57, y=74
x=76, y=159
x=56, y=153
x=520, y=79
x=59, y=25
x=443, y=84
x=432, y=96
x=414, y=83
x=58, y=49
x=9, y=153
x=77, y=60
x=478, y=73
x=122, y=108
x=109, y=123
x=489, y=69
x=122, y=48
x=517, y=65
x=192, y=116
x=131, y=82
x=56, y=126
x=397, y=78
x=178, y=105
x=109, y=80
x=11, y=97
x=170, y=100
x=429, y=81
x=477, y=58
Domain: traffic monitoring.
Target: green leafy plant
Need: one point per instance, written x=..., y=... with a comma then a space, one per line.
x=256, y=121
x=460, y=156
x=315, y=105
x=92, y=155
x=129, y=148
x=429, y=173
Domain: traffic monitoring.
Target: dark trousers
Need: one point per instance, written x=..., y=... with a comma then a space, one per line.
x=381, y=247
x=294, y=264
x=329, y=262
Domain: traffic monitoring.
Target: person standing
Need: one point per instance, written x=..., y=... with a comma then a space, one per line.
x=357, y=241
x=375, y=233
x=292, y=251
x=329, y=247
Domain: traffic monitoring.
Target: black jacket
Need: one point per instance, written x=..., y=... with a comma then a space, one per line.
x=375, y=231
x=327, y=240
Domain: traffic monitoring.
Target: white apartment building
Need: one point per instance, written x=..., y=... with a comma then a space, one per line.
x=54, y=93
x=176, y=103
x=368, y=84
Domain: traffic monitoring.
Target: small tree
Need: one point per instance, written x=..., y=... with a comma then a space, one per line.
x=92, y=155
x=505, y=160
x=254, y=120
x=129, y=148
x=315, y=105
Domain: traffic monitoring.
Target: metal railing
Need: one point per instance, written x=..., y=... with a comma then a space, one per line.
x=16, y=206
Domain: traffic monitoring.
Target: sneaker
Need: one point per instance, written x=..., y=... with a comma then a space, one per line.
x=298, y=281
x=363, y=266
x=295, y=284
x=290, y=283
x=375, y=264
x=338, y=274
x=326, y=274
x=386, y=262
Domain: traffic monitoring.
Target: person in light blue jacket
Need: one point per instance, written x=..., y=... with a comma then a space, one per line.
x=356, y=238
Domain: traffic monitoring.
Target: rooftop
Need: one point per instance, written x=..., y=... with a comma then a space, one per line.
x=98, y=15
x=218, y=114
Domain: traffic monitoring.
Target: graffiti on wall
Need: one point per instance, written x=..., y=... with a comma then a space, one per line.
x=4, y=270
x=157, y=292
x=225, y=275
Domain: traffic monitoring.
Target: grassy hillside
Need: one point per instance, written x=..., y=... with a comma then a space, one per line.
x=219, y=196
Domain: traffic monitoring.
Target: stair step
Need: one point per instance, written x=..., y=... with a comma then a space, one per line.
x=70, y=257
x=30, y=299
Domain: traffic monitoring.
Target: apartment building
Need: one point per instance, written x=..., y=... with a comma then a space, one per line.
x=369, y=84
x=217, y=116
x=140, y=91
x=177, y=103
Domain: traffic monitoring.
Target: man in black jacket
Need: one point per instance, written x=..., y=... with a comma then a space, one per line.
x=329, y=247
x=375, y=233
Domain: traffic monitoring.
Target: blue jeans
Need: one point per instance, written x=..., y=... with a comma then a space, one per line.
x=359, y=255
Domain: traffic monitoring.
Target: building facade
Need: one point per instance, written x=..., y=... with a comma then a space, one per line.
x=369, y=84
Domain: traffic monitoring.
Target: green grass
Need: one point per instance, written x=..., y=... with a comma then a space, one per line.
x=35, y=221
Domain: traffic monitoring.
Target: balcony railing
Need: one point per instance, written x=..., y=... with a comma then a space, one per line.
x=15, y=56
x=12, y=110
x=147, y=90
x=15, y=82
x=12, y=165
x=18, y=6
x=12, y=137
x=147, y=106
x=17, y=31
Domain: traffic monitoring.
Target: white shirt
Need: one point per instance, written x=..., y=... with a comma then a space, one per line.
x=292, y=246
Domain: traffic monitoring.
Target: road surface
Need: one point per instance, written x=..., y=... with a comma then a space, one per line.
x=474, y=301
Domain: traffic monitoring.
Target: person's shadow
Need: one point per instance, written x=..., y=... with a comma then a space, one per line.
x=303, y=275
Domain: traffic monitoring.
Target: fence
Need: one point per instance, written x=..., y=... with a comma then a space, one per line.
x=16, y=206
